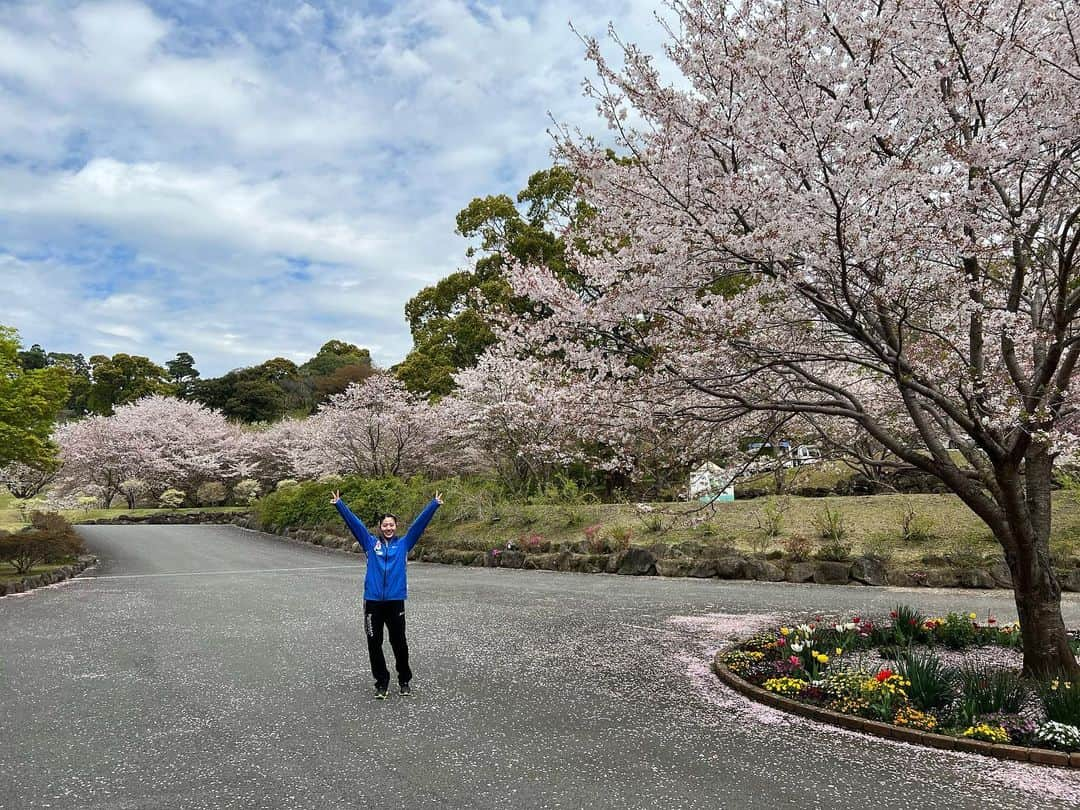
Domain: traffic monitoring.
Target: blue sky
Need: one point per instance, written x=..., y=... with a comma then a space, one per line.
x=248, y=180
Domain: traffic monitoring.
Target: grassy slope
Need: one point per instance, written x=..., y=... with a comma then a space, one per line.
x=873, y=524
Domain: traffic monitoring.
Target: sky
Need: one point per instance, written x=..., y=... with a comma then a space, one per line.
x=247, y=180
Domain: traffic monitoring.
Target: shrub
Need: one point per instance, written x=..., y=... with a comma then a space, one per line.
x=1061, y=700
x=594, y=540
x=621, y=537
x=907, y=627
x=770, y=518
x=932, y=682
x=956, y=631
x=986, y=690
x=286, y=483
x=87, y=502
x=574, y=517
x=211, y=493
x=835, y=551
x=830, y=525
x=49, y=539
x=1061, y=736
x=531, y=542
x=308, y=504
x=247, y=491
x=915, y=528
x=797, y=548
x=654, y=523
x=171, y=499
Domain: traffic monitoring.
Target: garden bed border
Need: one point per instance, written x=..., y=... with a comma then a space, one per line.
x=1017, y=753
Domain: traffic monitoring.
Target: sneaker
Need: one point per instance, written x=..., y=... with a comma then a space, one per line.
x=405, y=690
x=380, y=693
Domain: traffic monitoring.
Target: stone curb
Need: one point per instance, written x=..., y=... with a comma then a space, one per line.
x=1016, y=753
x=48, y=578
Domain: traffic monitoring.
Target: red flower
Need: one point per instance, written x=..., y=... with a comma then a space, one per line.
x=794, y=660
x=780, y=642
x=892, y=614
x=884, y=675
x=991, y=620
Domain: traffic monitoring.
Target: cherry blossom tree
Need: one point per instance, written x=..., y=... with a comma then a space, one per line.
x=158, y=441
x=860, y=211
x=375, y=427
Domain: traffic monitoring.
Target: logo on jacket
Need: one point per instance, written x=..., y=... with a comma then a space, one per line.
x=378, y=547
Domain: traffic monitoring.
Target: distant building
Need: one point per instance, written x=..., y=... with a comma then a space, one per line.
x=708, y=483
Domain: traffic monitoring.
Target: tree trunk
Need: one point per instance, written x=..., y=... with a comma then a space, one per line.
x=1035, y=585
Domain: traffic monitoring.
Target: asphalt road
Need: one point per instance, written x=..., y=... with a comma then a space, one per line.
x=209, y=667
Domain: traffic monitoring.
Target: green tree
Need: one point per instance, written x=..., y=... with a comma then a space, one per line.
x=183, y=373
x=33, y=358
x=336, y=366
x=79, y=383
x=451, y=322
x=123, y=378
x=29, y=404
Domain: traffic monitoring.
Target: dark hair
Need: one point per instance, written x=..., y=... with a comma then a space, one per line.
x=385, y=515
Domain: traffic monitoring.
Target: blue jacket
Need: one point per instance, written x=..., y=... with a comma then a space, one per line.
x=385, y=577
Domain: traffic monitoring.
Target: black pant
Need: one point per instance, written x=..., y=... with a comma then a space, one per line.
x=391, y=613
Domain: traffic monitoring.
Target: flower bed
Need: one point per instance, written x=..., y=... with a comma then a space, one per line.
x=949, y=681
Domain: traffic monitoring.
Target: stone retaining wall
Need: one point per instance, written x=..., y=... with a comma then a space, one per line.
x=682, y=560
x=48, y=578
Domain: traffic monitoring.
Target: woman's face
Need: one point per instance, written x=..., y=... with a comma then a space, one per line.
x=388, y=527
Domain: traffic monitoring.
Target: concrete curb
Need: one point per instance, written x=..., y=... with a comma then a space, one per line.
x=1016, y=753
x=48, y=578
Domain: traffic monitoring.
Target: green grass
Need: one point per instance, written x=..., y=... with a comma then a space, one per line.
x=7, y=572
x=872, y=522
x=11, y=519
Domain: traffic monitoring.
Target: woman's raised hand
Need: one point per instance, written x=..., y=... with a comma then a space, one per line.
x=438, y=498
x=335, y=496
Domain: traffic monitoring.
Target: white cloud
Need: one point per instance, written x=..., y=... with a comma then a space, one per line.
x=246, y=182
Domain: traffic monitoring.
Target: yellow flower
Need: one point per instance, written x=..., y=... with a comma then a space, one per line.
x=785, y=631
x=971, y=616
x=839, y=650
x=823, y=658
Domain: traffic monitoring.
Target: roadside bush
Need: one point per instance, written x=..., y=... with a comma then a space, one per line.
x=49, y=539
x=211, y=493
x=171, y=499
x=247, y=491
x=834, y=551
x=308, y=504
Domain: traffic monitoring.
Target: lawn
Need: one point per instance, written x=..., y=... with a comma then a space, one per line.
x=11, y=518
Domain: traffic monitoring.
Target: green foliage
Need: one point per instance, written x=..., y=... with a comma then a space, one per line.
x=308, y=504
x=985, y=690
x=1061, y=700
x=932, y=682
x=50, y=538
x=247, y=491
x=123, y=378
x=30, y=401
x=621, y=537
x=956, y=631
x=211, y=493
x=915, y=528
x=182, y=373
x=171, y=499
x=451, y=321
x=830, y=524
